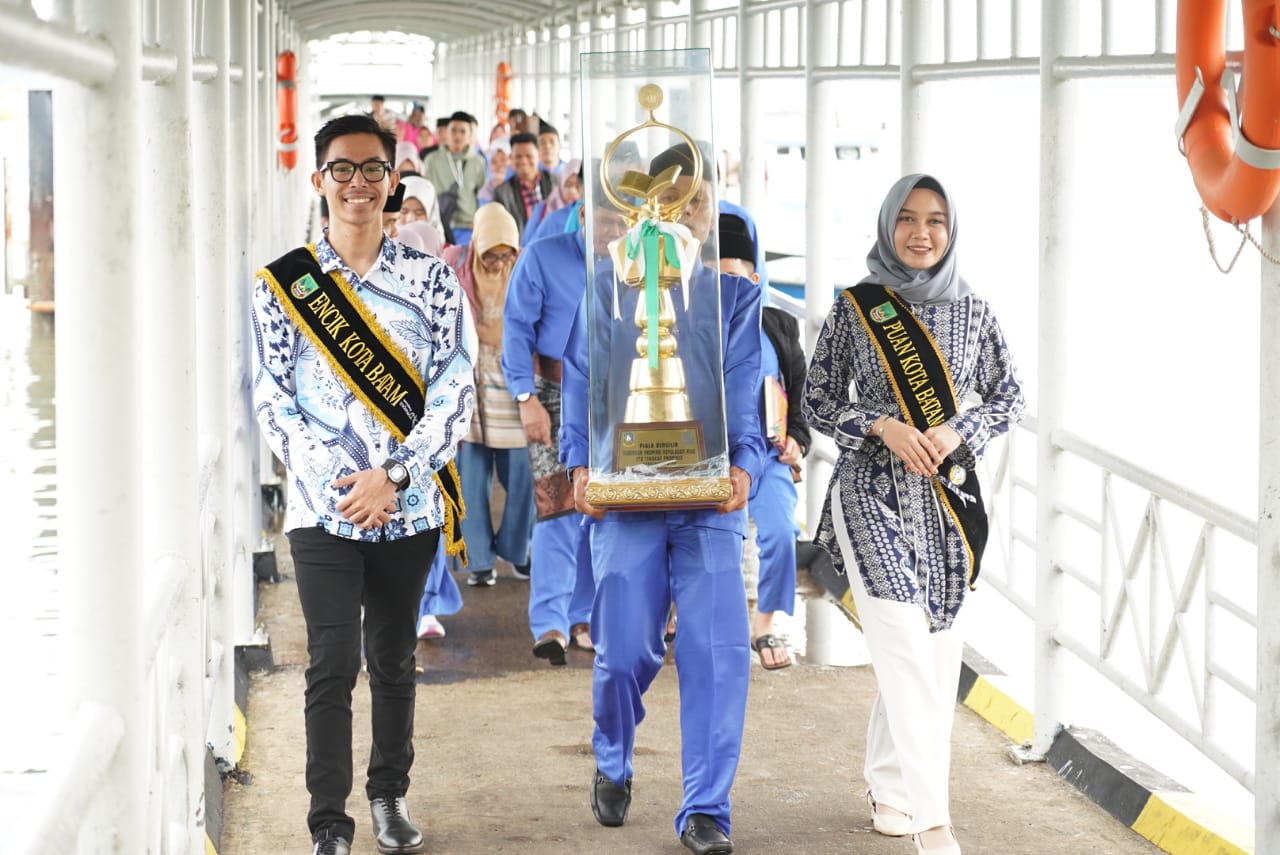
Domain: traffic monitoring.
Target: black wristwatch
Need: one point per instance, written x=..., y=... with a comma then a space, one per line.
x=397, y=473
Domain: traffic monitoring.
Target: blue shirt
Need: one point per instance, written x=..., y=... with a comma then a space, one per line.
x=543, y=293
x=321, y=430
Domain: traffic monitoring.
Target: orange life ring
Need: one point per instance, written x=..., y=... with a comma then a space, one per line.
x=287, y=108
x=1236, y=169
x=502, y=105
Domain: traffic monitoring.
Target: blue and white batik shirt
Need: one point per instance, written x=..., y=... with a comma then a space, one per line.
x=322, y=431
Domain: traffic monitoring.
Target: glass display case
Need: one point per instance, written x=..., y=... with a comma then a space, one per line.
x=657, y=414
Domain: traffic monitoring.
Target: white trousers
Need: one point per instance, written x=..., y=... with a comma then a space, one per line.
x=908, y=760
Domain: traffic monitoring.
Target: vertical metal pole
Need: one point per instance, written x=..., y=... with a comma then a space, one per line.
x=1266, y=792
x=699, y=31
x=751, y=136
x=916, y=49
x=212, y=282
x=543, y=47
x=534, y=64
x=168, y=429
x=1058, y=37
x=819, y=211
x=581, y=44
x=653, y=25
x=246, y=495
x=554, y=76
x=99, y=462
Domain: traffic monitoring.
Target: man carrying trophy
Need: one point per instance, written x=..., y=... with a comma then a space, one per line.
x=661, y=436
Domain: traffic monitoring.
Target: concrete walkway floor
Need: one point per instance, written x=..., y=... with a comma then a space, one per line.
x=504, y=757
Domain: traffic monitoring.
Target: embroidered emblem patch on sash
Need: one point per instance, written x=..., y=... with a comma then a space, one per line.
x=883, y=312
x=957, y=475
x=303, y=286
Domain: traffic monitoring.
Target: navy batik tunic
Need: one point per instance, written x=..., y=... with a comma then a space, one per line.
x=907, y=547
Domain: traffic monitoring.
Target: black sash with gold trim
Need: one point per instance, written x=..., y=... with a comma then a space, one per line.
x=372, y=366
x=921, y=381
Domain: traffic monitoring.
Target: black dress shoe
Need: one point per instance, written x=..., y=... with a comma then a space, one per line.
x=702, y=836
x=331, y=844
x=393, y=831
x=609, y=802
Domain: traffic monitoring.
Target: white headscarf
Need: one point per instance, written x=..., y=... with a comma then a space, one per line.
x=407, y=151
x=417, y=187
x=940, y=283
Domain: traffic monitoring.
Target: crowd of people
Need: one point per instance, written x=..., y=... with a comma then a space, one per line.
x=434, y=337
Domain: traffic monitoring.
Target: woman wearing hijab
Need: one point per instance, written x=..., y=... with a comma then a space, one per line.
x=903, y=516
x=407, y=162
x=419, y=202
x=497, y=439
x=498, y=158
x=422, y=236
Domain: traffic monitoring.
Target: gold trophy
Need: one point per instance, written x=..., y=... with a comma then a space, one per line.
x=659, y=443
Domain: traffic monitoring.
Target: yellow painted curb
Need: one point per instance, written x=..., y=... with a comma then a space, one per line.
x=1000, y=710
x=1169, y=821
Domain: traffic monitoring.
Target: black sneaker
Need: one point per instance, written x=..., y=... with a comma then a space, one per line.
x=520, y=571
x=482, y=578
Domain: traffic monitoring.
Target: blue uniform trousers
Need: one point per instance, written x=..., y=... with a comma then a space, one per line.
x=554, y=600
x=773, y=509
x=476, y=465
x=643, y=561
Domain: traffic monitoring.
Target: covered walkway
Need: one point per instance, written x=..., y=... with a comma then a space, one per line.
x=1135, y=518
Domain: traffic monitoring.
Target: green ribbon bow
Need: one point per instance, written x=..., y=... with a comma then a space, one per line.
x=649, y=235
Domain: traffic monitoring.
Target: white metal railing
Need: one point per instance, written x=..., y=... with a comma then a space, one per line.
x=176, y=499
x=1158, y=620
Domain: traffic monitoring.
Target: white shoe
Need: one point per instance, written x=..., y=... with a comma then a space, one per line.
x=952, y=848
x=888, y=821
x=429, y=626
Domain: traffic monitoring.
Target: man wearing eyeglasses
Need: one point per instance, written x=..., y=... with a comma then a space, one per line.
x=354, y=336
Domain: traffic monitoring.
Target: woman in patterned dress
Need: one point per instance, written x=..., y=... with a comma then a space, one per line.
x=884, y=522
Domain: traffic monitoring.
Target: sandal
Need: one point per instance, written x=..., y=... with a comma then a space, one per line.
x=580, y=637
x=887, y=820
x=772, y=642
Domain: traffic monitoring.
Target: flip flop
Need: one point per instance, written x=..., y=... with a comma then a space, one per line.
x=774, y=643
x=577, y=634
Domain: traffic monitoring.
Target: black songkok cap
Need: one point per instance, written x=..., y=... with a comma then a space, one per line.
x=735, y=239
x=394, y=199
x=682, y=154
x=463, y=116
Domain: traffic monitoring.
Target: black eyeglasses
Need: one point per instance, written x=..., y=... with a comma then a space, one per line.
x=344, y=170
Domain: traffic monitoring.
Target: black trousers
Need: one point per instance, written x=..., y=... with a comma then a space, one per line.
x=335, y=577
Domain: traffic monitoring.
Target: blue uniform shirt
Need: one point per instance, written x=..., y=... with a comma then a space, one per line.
x=543, y=294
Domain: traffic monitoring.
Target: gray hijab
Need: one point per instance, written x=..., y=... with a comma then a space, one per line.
x=938, y=284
